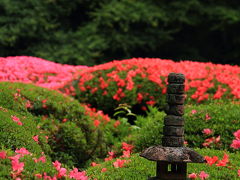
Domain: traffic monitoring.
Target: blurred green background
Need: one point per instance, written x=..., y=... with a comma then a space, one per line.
x=88, y=32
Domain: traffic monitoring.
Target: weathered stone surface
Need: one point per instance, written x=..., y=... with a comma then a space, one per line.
x=173, y=130
x=172, y=141
x=176, y=78
x=172, y=154
x=177, y=110
x=175, y=88
x=171, y=120
x=175, y=98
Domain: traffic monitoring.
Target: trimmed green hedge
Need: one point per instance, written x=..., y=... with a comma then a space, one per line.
x=72, y=137
x=30, y=167
x=140, y=168
x=224, y=120
x=14, y=136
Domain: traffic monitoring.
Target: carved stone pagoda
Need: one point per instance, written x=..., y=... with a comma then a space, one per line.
x=172, y=157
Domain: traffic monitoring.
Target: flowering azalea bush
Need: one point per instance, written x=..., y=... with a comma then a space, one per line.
x=22, y=164
x=35, y=70
x=140, y=168
x=46, y=121
x=48, y=135
x=203, y=127
x=142, y=81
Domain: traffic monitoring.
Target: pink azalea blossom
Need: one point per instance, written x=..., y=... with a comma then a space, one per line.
x=192, y=176
x=3, y=155
x=126, y=154
x=35, y=138
x=203, y=175
x=23, y=151
x=104, y=170
x=17, y=120
x=57, y=165
x=78, y=175
x=17, y=166
x=239, y=173
x=62, y=172
x=235, y=144
x=207, y=117
x=15, y=158
x=42, y=159
x=207, y=131
x=194, y=111
x=237, y=134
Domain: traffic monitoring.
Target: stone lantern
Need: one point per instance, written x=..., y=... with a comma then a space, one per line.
x=172, y=157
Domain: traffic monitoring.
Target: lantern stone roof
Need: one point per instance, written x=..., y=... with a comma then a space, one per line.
x=172, y=154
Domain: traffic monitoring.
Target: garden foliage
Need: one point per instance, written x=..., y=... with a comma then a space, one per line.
x=65, y=130
x=47, y=134
x=37, y=71
x=137, y=167
x=197, y=118
x=96, y=31
x=142, y=81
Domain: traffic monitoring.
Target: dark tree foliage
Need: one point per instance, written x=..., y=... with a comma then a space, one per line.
x=95, y=31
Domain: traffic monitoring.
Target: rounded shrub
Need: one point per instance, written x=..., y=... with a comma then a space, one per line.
x=137, y=167
x=27, y=166
x=209, y=125
x=74, y=132
x=17, y=131
x=142, y=81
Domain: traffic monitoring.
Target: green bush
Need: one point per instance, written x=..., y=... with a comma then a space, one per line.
x=93, y=32
x=13, y=136
x=30, y=167
x=72, y=136
x=224, y=121
x=140, y=168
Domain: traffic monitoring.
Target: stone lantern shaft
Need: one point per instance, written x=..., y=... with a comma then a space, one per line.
x=173, y=130
x=172, y=157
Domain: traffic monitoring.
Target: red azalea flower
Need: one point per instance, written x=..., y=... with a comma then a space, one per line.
x=39, y=176
x=93, y=164
x=117, y=123
x=96, y=123
x=224, y=161
x=127, y=147
x=210, y=160
x=119, y=163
